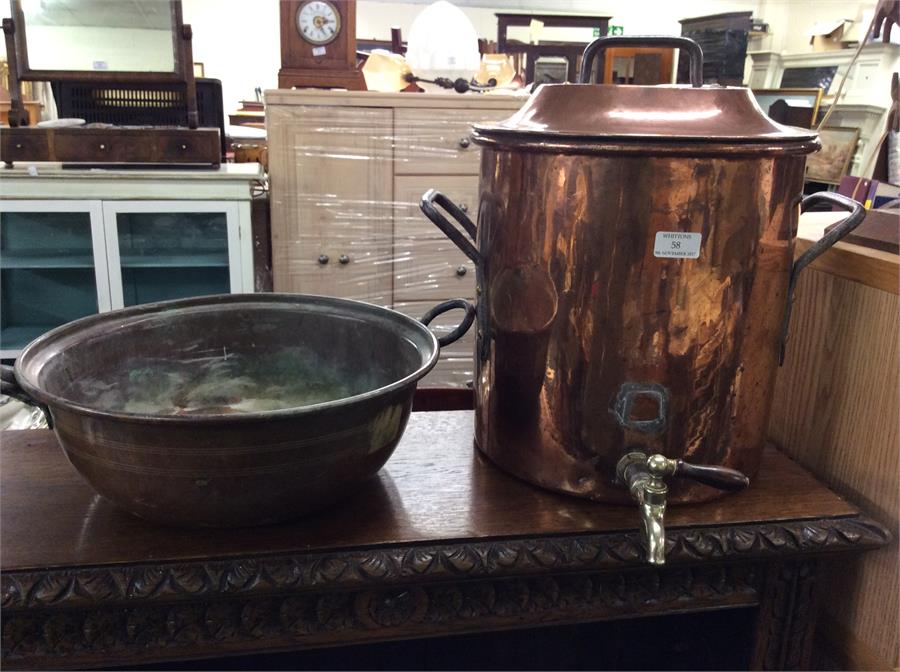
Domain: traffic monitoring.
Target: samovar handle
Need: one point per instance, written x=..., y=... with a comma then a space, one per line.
x=826, y=242
x=684, y=44
x=459, y=239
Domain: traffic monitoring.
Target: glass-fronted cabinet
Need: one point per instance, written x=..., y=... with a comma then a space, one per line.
x=52, y=268
x=61, y=260
x=163, y=250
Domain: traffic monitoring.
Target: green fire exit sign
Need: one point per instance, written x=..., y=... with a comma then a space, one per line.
x=613, y=30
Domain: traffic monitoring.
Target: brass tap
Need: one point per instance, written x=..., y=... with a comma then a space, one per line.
x=645, y=478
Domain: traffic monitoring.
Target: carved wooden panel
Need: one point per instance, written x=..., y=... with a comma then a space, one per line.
x=186, y=629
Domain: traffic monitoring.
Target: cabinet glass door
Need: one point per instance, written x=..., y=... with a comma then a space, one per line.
x=164, y=255
x=52, y=263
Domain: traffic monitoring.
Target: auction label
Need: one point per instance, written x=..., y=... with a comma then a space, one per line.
x=676, y=244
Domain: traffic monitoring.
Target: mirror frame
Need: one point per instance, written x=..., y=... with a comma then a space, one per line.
x=178, y=74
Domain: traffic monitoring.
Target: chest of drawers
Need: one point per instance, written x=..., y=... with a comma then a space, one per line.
x=347, y=170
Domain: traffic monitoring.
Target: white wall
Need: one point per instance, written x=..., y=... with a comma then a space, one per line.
x=238, y=40
x=790, y=20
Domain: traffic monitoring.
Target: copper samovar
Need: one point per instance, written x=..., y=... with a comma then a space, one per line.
x=634, y=253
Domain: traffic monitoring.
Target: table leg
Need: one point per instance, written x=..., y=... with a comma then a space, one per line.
x=787, y=617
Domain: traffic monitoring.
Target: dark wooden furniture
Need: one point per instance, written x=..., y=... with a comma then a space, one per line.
x=250, y=113
x=331, y=65
x=571, y=51
x=441, y=542
x=141, y=145
x=879, y=231
x=723, y=38
x=650, y=65
x=112, y=145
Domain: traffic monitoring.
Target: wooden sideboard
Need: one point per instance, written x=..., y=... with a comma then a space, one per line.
x=347, y=170
x=440, y=543
x=835, y=411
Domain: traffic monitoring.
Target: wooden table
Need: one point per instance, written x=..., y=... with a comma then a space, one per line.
x=441, y=542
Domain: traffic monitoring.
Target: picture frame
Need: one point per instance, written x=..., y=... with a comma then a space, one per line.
x=794, y=97
x=831, y=163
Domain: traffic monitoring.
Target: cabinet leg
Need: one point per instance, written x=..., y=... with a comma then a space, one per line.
x=787, y=617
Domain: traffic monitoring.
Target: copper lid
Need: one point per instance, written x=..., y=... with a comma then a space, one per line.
x=669, y=118
x=594, y=112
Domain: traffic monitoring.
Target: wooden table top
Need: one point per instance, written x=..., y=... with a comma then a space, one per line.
x=435, y=489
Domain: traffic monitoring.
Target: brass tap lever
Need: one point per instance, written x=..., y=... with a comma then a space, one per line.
x=645, y=478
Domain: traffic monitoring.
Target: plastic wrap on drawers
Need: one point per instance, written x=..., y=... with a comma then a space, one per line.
x=346, y=182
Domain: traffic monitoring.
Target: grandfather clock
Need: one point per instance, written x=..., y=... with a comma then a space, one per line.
x=318, y=45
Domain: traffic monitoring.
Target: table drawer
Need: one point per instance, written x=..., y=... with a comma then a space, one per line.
x=23, y=144
x=409, y=222
x=428, y=142
x=189, y=147
x=455, y=368
x=431, y=269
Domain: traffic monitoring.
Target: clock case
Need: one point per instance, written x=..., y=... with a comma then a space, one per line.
x=336, y=68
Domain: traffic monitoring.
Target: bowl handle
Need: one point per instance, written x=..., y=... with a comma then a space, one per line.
x=11, y=388
x=461, y=328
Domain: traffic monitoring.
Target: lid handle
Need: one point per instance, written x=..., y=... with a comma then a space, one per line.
x=685, y=44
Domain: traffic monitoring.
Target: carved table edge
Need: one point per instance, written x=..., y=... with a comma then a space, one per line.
x=110, y=635
x=420, y=563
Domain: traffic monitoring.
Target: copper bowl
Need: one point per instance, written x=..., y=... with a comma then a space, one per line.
x=230, y=410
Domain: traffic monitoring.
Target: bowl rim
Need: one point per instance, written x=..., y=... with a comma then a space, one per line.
x=28, y=364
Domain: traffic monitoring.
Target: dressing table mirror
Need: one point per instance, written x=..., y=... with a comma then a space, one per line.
x=126, y=53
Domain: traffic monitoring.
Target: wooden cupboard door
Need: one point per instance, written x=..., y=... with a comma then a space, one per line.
x=439, y=142
x=332, y=200
x=456, y=366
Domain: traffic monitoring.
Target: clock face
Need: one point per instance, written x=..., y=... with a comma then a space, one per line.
x=318, y=21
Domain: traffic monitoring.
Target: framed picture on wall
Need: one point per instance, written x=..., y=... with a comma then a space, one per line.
x=801, y=77
x=795, y=107
x=830, y=164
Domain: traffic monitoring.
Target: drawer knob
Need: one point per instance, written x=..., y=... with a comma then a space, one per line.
x=464, y=142
x=344, y=259
x=184, y=146
x=461, y=270
x=323, y=259
x=102, y=146
x=18, y=145
x=463, y=207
